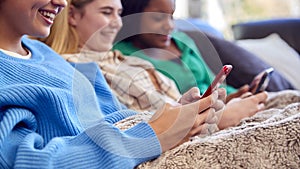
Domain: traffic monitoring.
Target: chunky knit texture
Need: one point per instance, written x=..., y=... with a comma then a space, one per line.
x=52, y=116
x=268, y=140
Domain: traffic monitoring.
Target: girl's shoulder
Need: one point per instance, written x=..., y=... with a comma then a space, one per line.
x=40, y=49
x=35, y=44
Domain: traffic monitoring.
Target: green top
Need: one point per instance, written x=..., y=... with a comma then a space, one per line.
x=192, y=71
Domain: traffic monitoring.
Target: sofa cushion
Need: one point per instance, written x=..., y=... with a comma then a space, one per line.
x=277, y=53
x=246, y=64
x=287, y=28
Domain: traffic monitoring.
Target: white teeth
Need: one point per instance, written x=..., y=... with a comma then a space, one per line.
x=49, y=15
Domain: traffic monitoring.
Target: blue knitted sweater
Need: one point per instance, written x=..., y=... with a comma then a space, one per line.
x=54, y=116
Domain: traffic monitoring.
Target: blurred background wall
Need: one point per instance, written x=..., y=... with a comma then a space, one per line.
x=221, y=14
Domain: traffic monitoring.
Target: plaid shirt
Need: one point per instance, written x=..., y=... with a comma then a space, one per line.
x=134, y=81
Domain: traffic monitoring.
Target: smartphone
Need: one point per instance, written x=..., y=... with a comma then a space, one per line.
x=219, y=79
x=261, y=81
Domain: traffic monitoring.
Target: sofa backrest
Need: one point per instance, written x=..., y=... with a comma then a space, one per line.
x=217, y=51
x=287, y=28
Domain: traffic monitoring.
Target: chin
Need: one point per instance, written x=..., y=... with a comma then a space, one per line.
x=101, y=48
x=41, y=34
x=162, y=45
x=107, y=48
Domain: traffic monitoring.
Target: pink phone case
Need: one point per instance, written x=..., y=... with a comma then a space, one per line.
x=219, y=79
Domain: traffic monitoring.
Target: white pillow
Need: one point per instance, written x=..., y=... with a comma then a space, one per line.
x=277, y=53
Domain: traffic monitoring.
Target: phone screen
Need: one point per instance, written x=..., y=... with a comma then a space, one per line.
x=261, y=81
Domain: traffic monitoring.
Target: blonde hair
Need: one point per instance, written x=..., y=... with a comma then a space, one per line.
x=63, y=38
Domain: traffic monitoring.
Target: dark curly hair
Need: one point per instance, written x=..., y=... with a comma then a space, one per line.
x=130, y=17
x=133, y=6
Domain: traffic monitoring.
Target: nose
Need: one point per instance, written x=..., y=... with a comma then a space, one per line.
x=116, y=21
x=169, y=24
x=60, y=3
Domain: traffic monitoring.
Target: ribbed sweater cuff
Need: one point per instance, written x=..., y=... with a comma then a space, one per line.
x=150, y=147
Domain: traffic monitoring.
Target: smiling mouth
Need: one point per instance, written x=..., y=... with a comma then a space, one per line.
x=47, y=15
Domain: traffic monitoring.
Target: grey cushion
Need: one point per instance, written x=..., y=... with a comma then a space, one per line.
x=246, y=65
x=287, y=28
x=218, y=51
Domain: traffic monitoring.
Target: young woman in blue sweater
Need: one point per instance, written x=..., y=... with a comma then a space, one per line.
x=55, y=116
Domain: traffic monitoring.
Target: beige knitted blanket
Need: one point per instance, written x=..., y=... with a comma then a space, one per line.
x=270, y=139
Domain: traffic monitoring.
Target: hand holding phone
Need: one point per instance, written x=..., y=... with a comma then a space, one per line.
x=219, y=79
x=261, y=81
